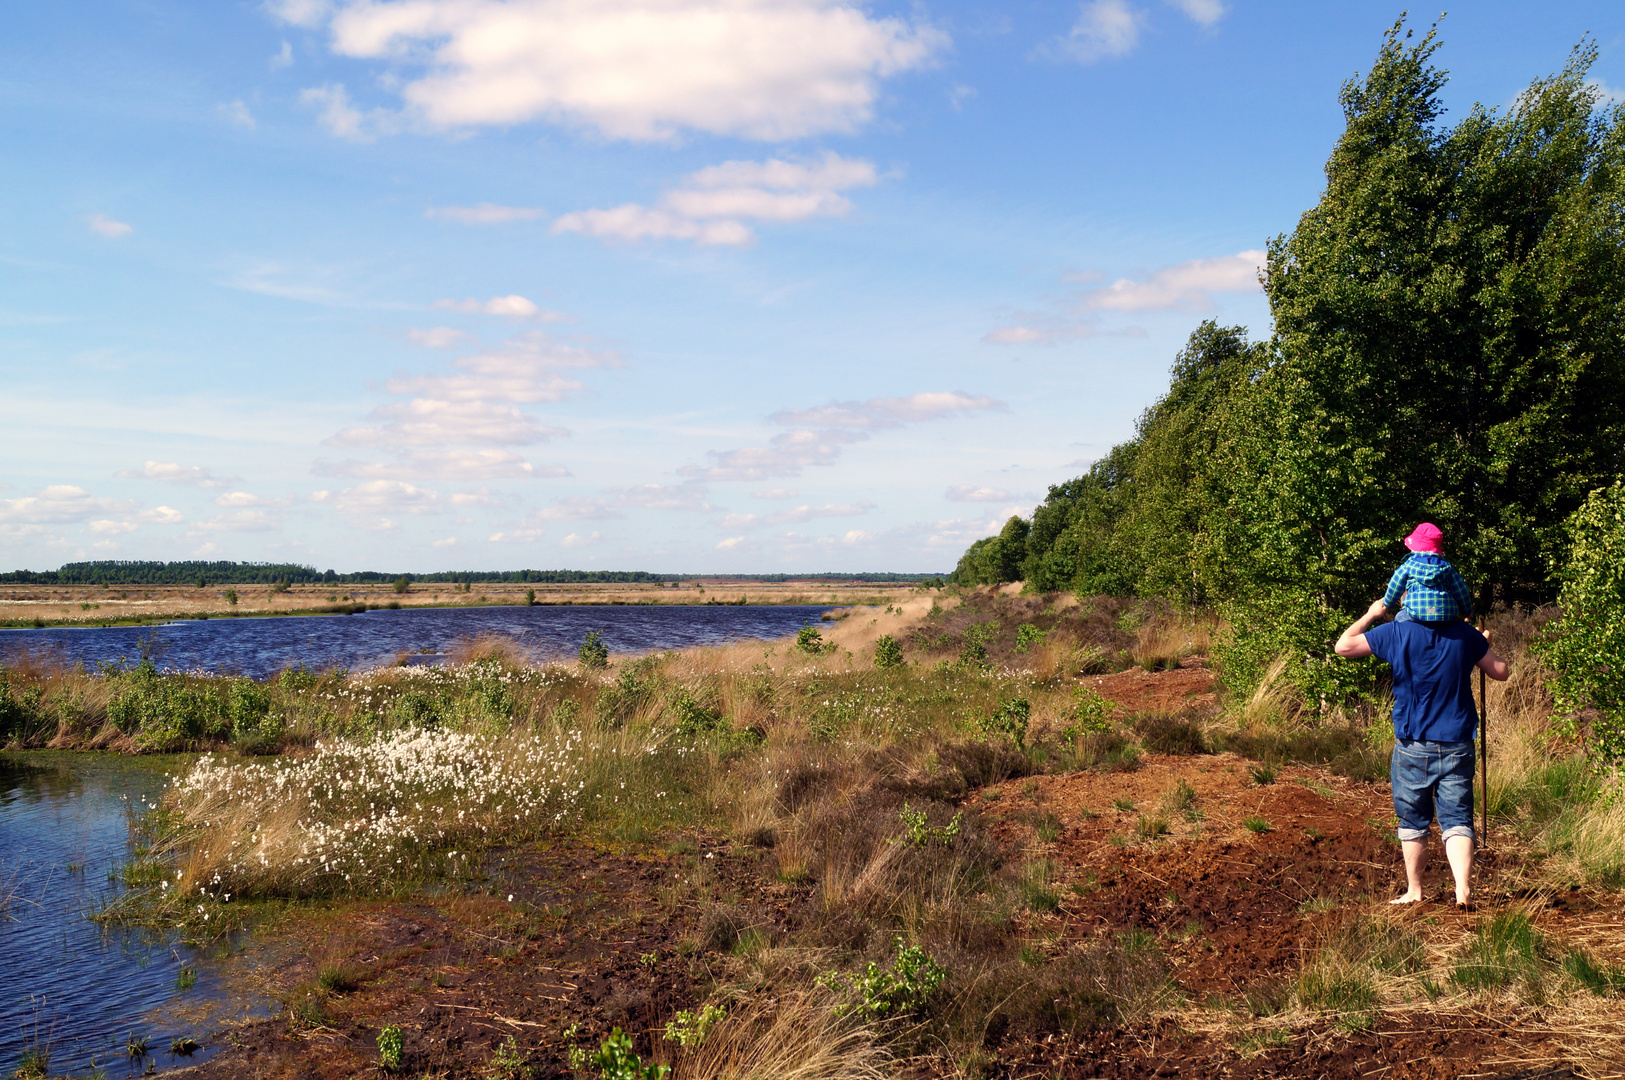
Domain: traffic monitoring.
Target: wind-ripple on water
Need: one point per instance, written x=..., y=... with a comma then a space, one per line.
x=73, y=989
x=259, y=647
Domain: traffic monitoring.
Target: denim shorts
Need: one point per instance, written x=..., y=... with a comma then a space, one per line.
x=1433, y=778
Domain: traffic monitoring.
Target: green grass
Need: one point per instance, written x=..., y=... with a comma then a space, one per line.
x=1258, y=825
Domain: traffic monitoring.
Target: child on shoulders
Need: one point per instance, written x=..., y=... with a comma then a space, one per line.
x=1431, y=590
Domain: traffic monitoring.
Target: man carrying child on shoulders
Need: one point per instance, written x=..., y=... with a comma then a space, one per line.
x=1433, y=652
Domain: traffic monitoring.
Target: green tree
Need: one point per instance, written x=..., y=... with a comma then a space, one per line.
x=1587, y=646
x=1447, y=341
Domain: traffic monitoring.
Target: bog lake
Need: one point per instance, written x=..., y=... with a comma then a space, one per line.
x=83, y=991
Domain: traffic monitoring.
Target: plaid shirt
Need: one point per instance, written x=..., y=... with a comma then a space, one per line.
x=1432, y=589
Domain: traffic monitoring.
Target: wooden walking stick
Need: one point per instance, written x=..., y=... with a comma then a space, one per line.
x=1483, y=753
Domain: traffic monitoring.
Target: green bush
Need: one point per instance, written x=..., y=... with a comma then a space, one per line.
x=906, y=987
x=1028, y=635
x=1010, y=719
x=1297, y=625
x=616, y=1060
x=1587, y=645
x=692, y=716
x=811, y=642
x=593, y=654
x=390, y=1048
x=888, y=653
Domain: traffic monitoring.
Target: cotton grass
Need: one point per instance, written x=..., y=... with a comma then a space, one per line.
x=368, y=816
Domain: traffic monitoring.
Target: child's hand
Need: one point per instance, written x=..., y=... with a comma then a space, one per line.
x=1377, y=610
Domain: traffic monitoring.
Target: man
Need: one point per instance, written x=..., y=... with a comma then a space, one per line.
x=1434, y=719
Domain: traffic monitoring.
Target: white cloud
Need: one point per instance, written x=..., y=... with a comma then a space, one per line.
x=1104, y=28
x=438, y=337
x=775, y=493
x=795, y=516
x=242, y=498
x=482, y=497
x=663, y=497
x=60, y=503
x=577, y=508
x=577, y=540
x=512, y=306
x=283, y=57
x=708, y=207
x=306, y=13
x=237, y=113
x=377, y=497
x=517, y=536
x=343, y=119
x=891, y=412
x=237, y=521
x=175, y=473
x=106, y=226
x=525, y=369
x=1187, y=286
x=432, y=422
x=971, y=493
x=729, y=543
x=821, y=432
x=1202, y=12
x=459, y=464
x=484, y=213
x=450, y=541
x=162, y=515
x=634, y=69
x=111, y=528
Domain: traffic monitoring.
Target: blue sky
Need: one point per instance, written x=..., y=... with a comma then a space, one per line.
x=735, y=286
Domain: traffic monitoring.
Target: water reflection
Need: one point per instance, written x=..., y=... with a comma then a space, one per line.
x=73, y=989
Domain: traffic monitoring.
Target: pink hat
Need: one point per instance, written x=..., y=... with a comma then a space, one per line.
x=1425, y=537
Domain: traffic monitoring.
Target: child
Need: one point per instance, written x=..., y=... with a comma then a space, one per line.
x=1432, y=590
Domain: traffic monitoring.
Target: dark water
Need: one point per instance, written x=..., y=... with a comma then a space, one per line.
x=260, y=647
x=70, y=987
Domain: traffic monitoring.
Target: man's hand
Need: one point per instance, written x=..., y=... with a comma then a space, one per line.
x=1352, y=644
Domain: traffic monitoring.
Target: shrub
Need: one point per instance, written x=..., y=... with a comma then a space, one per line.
x=691, y=1028
x=1587, y=646
x=692, y=717
x=1010, y=719
x=593, y=654
x=811, y=642
x=616, y=1060
x=1028, y=635
x=1091, y=713
x=402, y=584
x=390, y=1047
x=888, y=653
x=917, y=833
x=904, y=988
x=1176, y=733
x=231, y=597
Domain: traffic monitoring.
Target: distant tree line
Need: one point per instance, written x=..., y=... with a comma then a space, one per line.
x=1448, y=345
x=112, y=572
x=116, y=572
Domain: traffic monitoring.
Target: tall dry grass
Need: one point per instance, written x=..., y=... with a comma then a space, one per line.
x=786, y=1036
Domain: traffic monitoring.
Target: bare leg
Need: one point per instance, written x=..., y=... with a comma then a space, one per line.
x=1459, y=850
x=1416, y=857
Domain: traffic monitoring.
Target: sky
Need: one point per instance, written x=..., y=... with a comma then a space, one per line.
x=748, y=286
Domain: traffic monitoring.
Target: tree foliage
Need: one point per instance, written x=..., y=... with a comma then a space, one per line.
x=1587, y=646
x=1448, y=345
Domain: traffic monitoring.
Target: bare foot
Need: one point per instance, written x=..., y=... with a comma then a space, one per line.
x=1408, y=898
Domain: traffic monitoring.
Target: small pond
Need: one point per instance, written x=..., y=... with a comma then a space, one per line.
x=73, y=988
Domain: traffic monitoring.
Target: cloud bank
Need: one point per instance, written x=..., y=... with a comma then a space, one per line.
x=630, y=69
